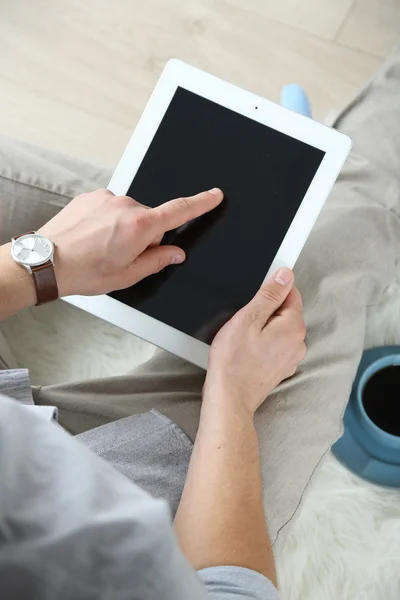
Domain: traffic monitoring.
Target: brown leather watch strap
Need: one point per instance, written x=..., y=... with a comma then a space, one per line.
x=22, y=234
x=45, y=283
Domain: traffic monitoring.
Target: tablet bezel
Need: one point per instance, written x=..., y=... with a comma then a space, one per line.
x=179, y=74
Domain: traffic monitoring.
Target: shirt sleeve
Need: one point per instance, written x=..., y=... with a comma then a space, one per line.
x=237, y=583
x=74, y=528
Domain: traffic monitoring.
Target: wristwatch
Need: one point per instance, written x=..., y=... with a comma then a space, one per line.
x=35, y=252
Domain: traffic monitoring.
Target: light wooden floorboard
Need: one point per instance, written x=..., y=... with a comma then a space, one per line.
x=320, y=17
x=372, y=26
x=76, y=75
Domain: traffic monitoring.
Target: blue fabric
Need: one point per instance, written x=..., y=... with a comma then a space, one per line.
x=294, y=97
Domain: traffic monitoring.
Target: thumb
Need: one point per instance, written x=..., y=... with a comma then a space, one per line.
x=154, y=260
x=272, y=294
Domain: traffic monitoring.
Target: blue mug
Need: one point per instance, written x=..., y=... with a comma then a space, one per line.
x=365, y=448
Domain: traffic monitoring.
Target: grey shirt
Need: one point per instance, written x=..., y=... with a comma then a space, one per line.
x=73, y=527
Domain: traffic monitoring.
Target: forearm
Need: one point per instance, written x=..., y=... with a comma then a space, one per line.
x=220, y=520
x=17, y=290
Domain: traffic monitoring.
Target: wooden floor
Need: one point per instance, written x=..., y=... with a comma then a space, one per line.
x=76, y=74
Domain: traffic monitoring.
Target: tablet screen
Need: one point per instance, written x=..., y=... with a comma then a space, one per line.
x=264, y=175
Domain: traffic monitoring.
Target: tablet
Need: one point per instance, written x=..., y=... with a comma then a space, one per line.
x=276, y=169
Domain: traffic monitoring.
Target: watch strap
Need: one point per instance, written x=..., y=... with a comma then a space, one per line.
x=45, y=283
x=22, y=234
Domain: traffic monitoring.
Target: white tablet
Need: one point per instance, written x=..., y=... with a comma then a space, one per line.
x=276, y=169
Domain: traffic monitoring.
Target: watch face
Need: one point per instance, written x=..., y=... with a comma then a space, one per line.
x=32, y=249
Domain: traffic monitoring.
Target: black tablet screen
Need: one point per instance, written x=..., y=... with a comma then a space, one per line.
x=264, y=175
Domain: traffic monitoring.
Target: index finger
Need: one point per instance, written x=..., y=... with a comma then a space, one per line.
x=175, y=213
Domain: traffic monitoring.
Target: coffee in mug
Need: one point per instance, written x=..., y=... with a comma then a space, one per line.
x=381, y=399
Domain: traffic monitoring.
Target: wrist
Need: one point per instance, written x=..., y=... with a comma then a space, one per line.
x=17, y=290
x=221, y=393
x=221, y=402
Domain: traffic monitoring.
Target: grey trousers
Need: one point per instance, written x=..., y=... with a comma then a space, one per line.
x=350, y=261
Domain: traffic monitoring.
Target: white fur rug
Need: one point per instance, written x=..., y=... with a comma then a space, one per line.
x=346, y=542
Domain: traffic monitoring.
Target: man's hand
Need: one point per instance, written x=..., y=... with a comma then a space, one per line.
x=106, y=242
x=259, y=347
x=220, y=520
